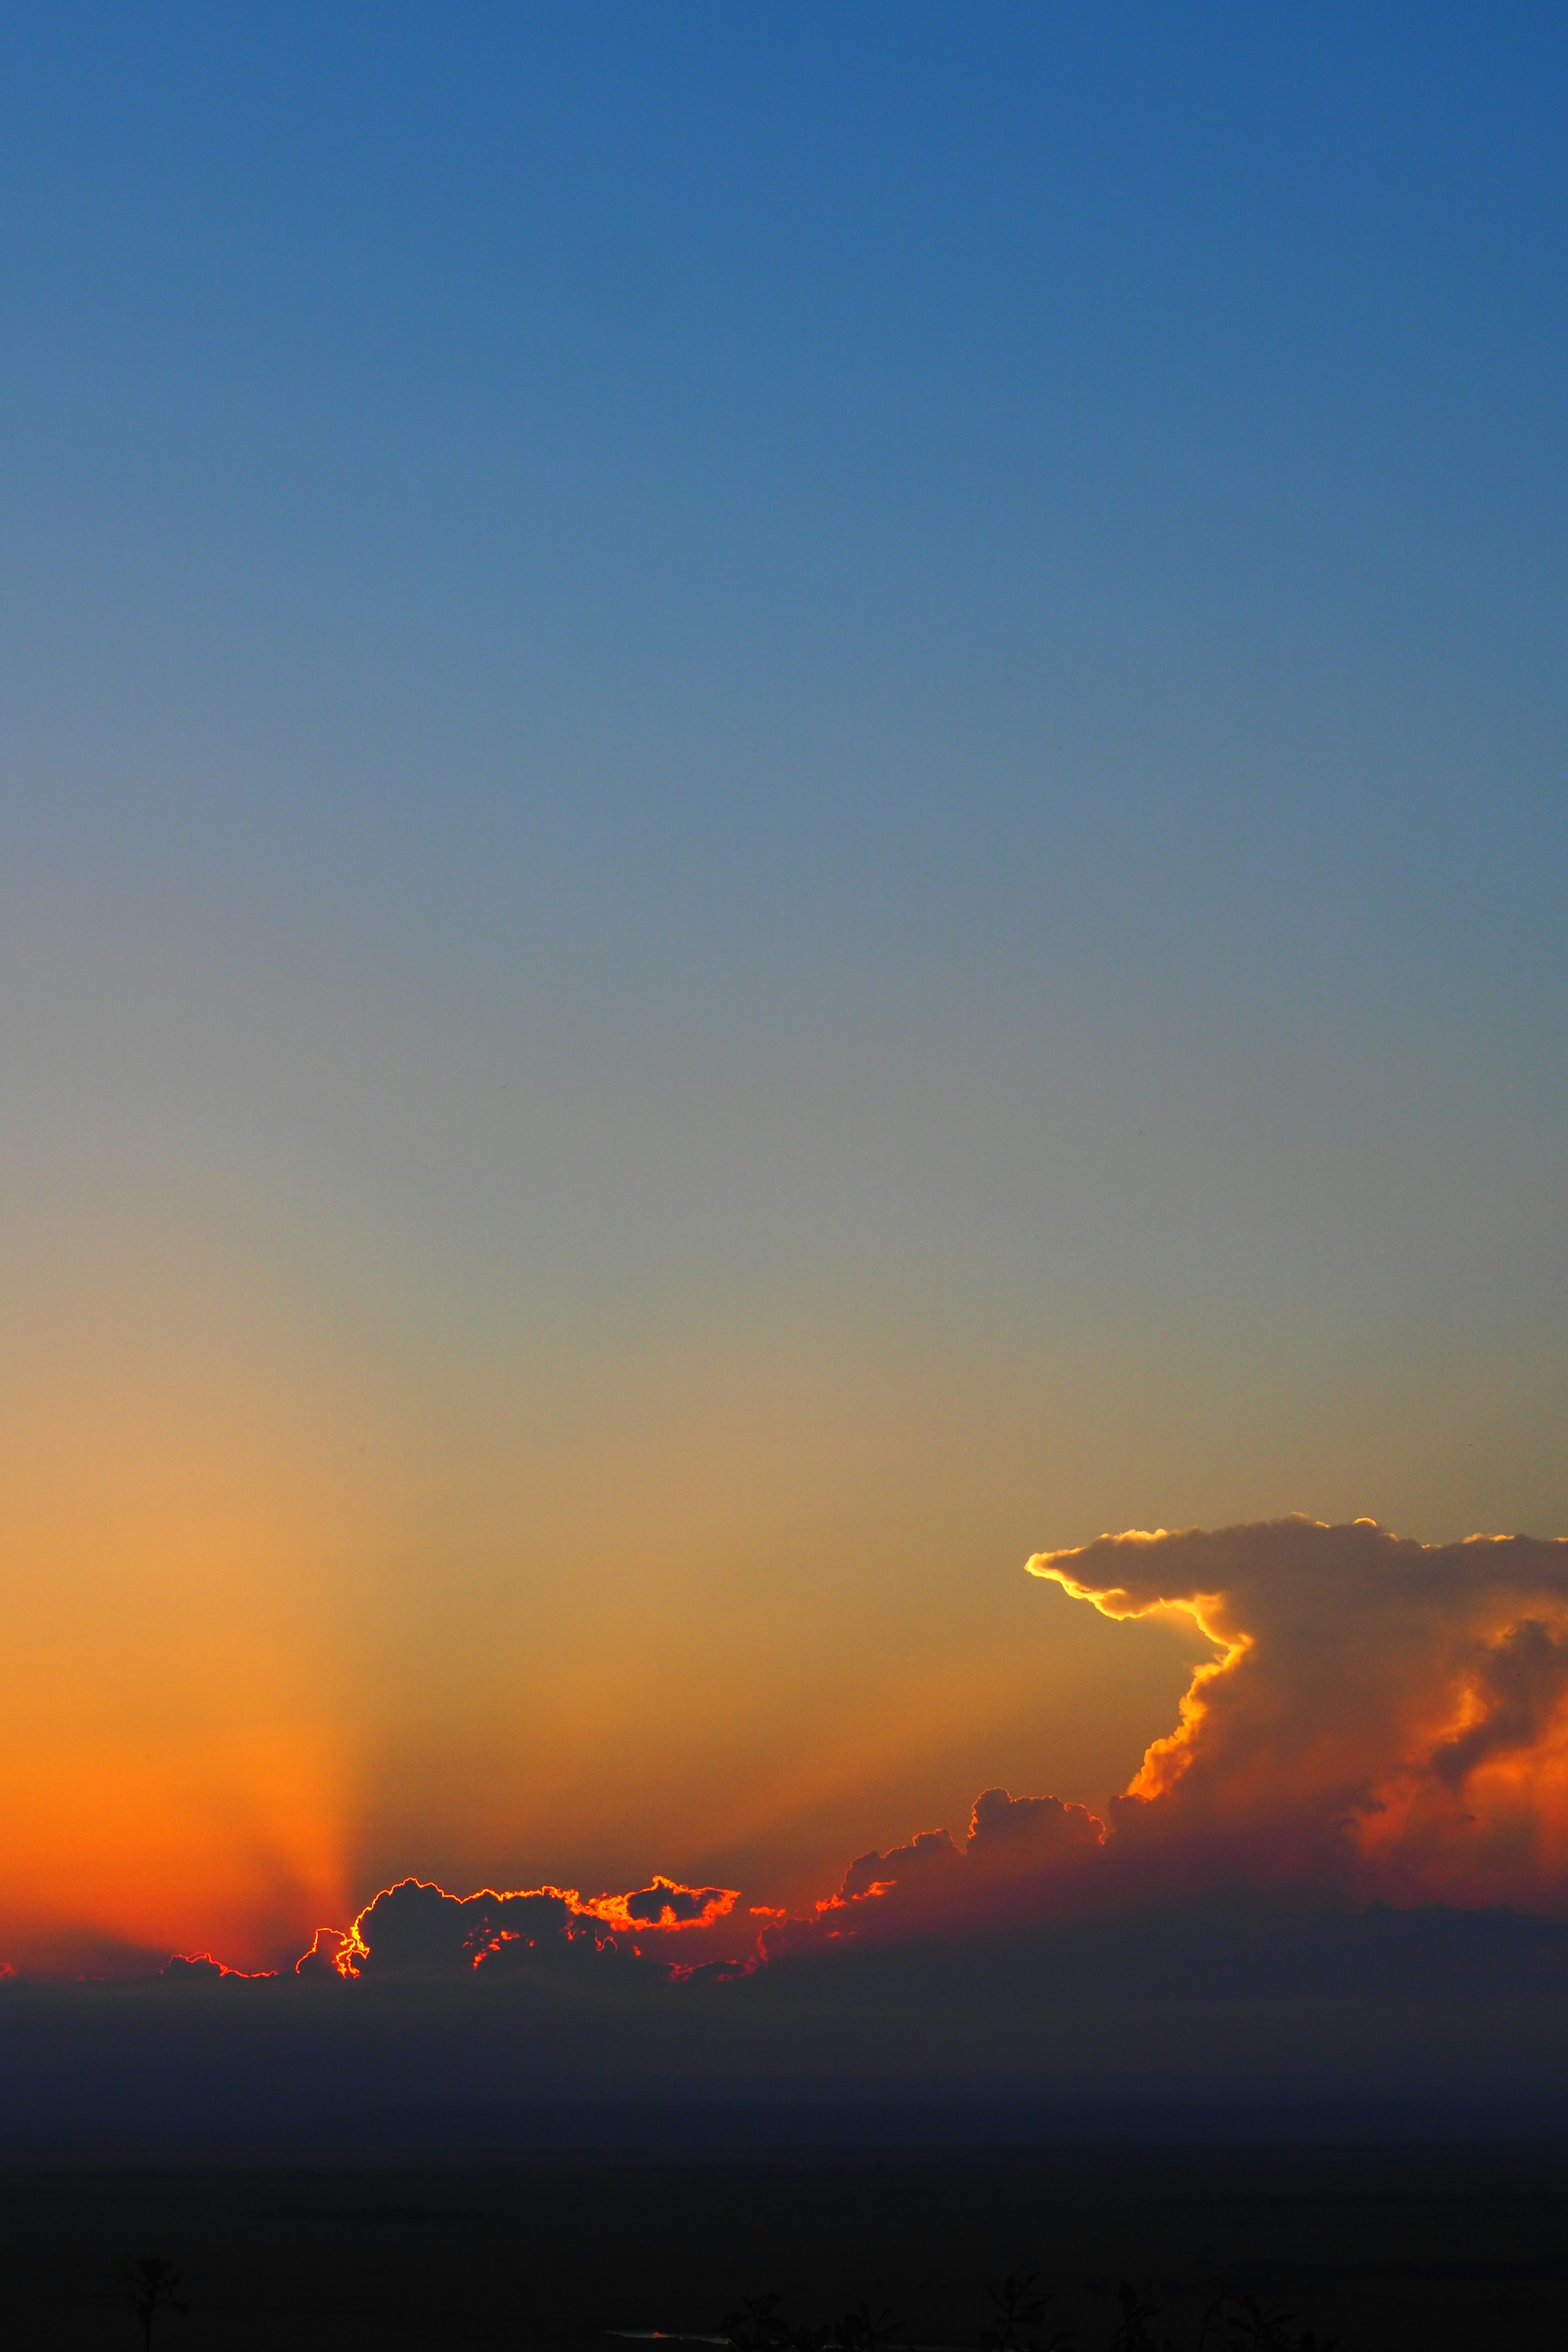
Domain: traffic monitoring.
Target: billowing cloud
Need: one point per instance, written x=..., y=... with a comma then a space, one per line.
x=1381, y=1718
x=1032, y=1843
x=415, y=1926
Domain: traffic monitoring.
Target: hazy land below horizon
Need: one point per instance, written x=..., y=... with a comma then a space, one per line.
x=1387, y=2248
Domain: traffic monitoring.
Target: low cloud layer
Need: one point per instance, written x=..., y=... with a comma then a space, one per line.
x=417, y=1928
x=1312, y=1900
x=1381, y=1720
x=1224, y=2015
x=413, y=1926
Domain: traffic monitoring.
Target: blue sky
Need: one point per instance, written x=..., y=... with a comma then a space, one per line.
x=805, y=757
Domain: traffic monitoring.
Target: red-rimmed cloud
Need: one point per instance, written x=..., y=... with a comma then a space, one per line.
x=415, y=1926
x=1017, y=1849
x=202, y=1965
x=665, y=1904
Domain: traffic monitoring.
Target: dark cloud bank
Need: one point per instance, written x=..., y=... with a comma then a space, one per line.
x=1335, y=1898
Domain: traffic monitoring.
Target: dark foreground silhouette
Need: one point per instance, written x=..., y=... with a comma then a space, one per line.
x=567, y=2252
x=1233, y=2322
x=153, y=2286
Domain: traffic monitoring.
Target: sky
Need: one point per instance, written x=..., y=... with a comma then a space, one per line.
x=781, y=819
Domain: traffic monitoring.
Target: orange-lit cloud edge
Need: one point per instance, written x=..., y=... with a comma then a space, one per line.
x=1381, y=1719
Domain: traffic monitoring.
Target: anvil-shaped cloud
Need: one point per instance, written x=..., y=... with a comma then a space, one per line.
x=1383, y=1715
x=1381, y=1719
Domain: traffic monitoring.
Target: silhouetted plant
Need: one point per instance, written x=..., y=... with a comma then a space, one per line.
x=153, y=2285
x=1233, y=2323
x=1132, y=2330
x=758, y=2326
x=862, y=2330
x=1020, y=2322
x=1244, y=2326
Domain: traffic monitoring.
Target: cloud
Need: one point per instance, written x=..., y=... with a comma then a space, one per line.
x=665, y=1905
x=1039, y=1843
x=1519, y=1680
x=328, y=1955
x=1381, y=1718
x=1303, y=1896
x=187, y=1967
x=1176, y=2016
x=417, y=1927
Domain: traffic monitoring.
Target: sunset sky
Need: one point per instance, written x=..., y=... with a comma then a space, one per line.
x=783, y=816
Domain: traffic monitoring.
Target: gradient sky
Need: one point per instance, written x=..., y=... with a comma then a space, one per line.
x=783, y=814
